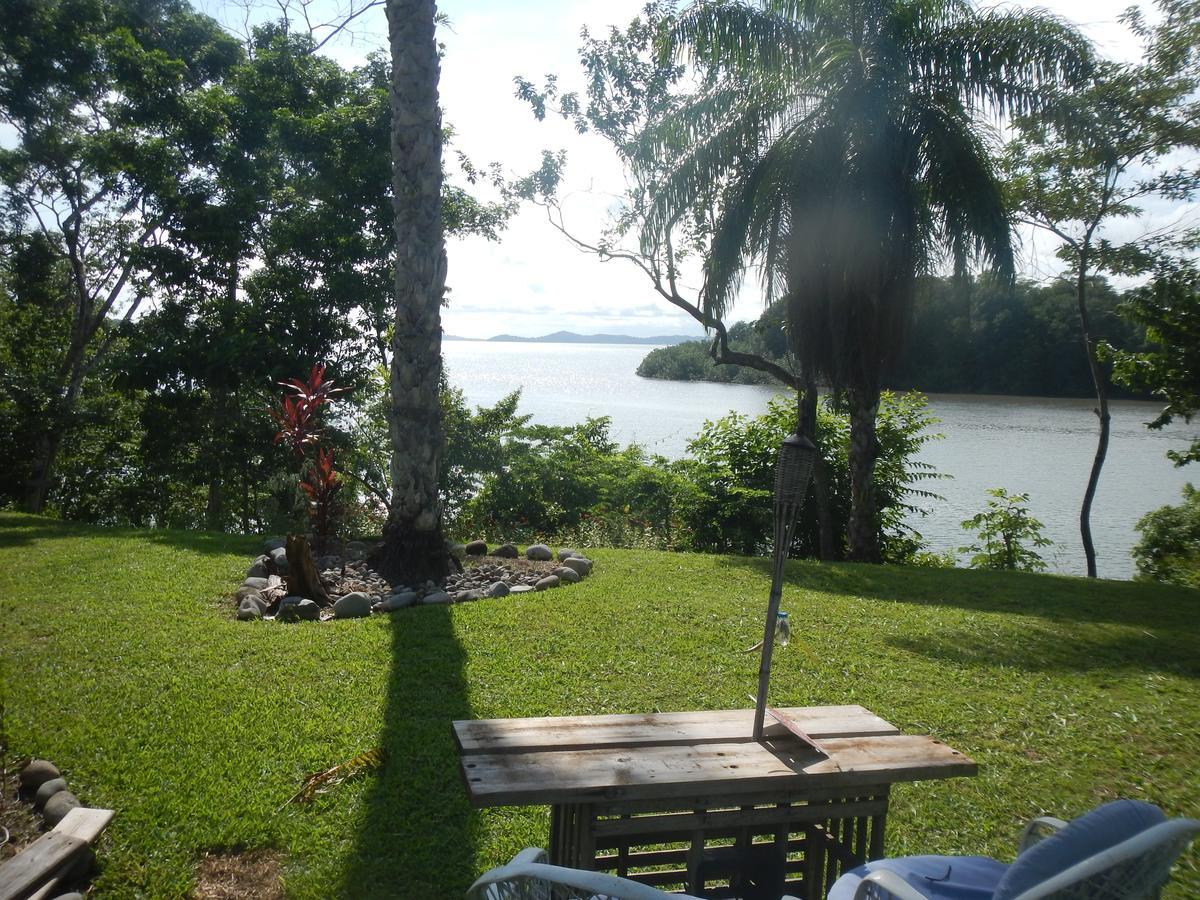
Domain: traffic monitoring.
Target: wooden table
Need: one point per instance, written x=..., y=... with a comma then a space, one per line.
x=687, y=801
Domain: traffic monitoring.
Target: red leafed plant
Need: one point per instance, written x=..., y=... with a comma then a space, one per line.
x=297, y=415
x=298, y=418
x=322, y=483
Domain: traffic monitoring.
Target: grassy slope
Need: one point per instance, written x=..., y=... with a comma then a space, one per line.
x=121, y=664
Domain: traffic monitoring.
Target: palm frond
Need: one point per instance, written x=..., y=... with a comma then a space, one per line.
x=740, y=38
x=1002, y=60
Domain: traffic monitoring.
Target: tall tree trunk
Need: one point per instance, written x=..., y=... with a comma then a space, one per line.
x=37, y=488
x=49, y=442
x=413, y=545
x=1100, y=382
x=863, y=529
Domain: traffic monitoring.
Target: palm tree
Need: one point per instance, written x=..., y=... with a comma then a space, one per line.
x=849, y=140
x=413, y=544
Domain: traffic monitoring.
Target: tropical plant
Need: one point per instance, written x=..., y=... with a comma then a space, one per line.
x=1169, y=549
x=299, y=419
x=1093, y=158
x=1006, y=534
x=845, y=141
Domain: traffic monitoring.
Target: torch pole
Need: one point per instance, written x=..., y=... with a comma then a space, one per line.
x=792, y=471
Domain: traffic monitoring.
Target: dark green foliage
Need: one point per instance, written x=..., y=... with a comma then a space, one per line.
x=1169, y=549
x=1169, y=309
x=968, y=336
x=574, y=484
x=732, y=467
x=1007, y=534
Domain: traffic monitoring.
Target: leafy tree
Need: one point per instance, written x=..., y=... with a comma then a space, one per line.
x=846, y=144
x=732, y=465
x=99, y=97
x=1169, y=549
x=1169, y=309
x=630, y=85
x=1007, y=533
x=1088, y=161
x=413, y=544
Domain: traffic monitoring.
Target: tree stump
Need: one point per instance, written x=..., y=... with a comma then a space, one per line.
x=303, y=580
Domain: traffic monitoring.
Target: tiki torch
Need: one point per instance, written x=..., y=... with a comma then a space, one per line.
x=796, y=457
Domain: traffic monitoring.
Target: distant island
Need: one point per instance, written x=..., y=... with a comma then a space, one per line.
x=570, y=337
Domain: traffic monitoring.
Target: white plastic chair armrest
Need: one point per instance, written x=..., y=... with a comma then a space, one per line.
x=1038, y=830
x=890, y=882
x=1178, y=831
x=597, y=883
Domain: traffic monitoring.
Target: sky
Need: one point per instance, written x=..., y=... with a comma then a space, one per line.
x=532, y=281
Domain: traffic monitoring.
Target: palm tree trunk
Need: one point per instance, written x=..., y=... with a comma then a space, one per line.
x=863, y=529
x=413, y=545
x=1100, y=382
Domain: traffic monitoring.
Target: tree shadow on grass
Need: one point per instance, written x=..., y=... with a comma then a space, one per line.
x=1054, y=598
x=418, y=832
x=1075, y=613
x=17, y=529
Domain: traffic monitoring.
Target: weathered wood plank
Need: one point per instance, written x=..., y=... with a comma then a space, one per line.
x=84, y=823
x=715, y=822
x=716, y=770
x=38, y=863
x=656, y=729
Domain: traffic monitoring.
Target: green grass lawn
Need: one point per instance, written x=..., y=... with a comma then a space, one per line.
x=123, y=664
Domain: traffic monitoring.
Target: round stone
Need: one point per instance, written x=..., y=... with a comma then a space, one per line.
x=436, y=597
x=249, y=611
x=476, y=548
x=296, y=609
x=538, y=553
x=506, y=551
x=36, y=773
x=273, y=544
x=355, y=605
x=521, y=589
x=498, y=589
x=580, y=564
x=398, y=601
x=48, y=790
x=258, y=569
x=567, y=574
x=550, y=581
x=567, y=553
x=58, y=806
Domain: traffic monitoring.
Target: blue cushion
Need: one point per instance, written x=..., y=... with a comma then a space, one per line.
x=1096, y=831
x=938, y=877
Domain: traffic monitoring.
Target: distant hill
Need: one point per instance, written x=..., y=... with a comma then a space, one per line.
x=570, y=337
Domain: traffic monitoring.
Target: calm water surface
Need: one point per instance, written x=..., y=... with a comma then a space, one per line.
x=1023, y=444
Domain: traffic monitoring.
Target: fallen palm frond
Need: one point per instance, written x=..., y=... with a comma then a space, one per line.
x=321, y=782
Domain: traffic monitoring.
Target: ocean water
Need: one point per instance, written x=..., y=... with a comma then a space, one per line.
x=1023, y=444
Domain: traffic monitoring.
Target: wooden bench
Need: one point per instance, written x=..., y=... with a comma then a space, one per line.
x=689, y=801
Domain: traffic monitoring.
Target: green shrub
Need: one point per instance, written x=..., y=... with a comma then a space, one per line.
x=1006, y=530
x=732, y=465
x=1169, y=549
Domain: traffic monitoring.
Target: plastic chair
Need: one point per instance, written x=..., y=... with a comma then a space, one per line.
x=530, y=877
x=1122, y=850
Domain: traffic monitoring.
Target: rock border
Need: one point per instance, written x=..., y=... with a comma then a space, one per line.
x=357, y=591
